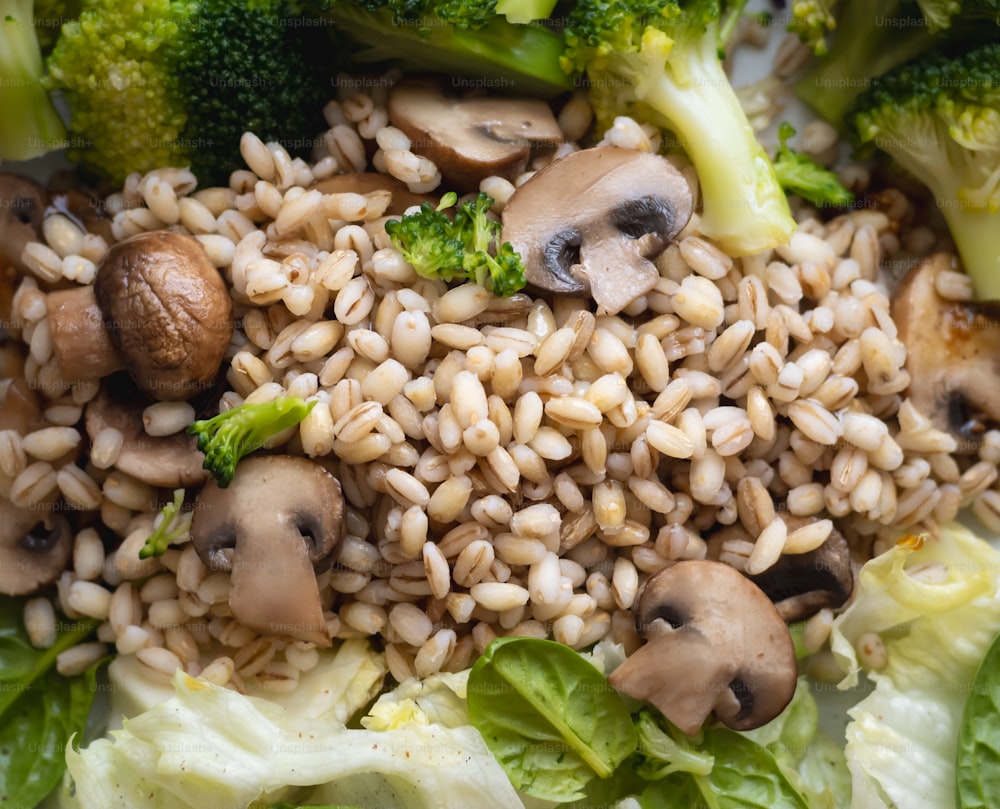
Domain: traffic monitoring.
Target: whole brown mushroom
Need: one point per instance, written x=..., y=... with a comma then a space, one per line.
x=715, y=643
x=158, y=307
x=279, y=521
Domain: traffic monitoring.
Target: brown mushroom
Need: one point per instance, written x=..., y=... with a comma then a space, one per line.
x=799, y=584
x=279, y=522
x=35, y=547
x=471, y=138
x=714, y=643
x=20, y=408
x=590, y=223
x=366, y=182
x=158, y=307
x=169, y=461
x=22, y=208
x=952, y=353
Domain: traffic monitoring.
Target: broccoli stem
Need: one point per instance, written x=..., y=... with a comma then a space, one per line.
x=976, y=233
x=29, y=123
x=745, y=210
x=872, y=37
x=504, y=56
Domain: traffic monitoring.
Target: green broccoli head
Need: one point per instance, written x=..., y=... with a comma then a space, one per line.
x=660, y=62
x=800, y=174
x=177, y=82
x=938, y=117
x=459, y=246
x=813, y=20
x=226, y=438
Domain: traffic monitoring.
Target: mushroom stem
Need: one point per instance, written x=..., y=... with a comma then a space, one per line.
x=80, y=341
x=277, y=594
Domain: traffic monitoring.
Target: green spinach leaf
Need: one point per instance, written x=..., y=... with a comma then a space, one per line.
x=39, y=709
x=977, y=771
x=549, y=716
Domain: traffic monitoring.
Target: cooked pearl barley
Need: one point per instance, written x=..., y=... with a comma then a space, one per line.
x=167, y=418
x=40, y=622
x=499, y=595
x=767, y=547
x=50, y=443
x=79, y=658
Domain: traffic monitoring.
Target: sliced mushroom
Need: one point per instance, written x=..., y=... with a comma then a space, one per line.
x=799, y=584
x=35, y=547
x=158, y=307
x=472, y=138
x=952, y=353
x=273, y=527
x=366, y=182
x=590, y=223
x=715, y=643
x=22, y=209
x=170, y=461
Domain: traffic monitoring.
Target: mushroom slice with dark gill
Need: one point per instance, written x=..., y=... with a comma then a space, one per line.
x=158, y=307
x=35, y=547
x=952, y=353
x=471, y=138
x=799, y=584
x=715, y=642
x=168, y=461
x=279, y=522
x=590, y=223
x=22, y=209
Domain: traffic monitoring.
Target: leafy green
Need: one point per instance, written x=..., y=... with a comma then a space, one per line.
x=39, y=709
x=229, y=436
x=902, y=737
x=978, y=767
x=549, y=716
x=660, y=754
x=745, y=775
x=169, y=529
x=800, y=174
x=462, y=246
x=208, y=746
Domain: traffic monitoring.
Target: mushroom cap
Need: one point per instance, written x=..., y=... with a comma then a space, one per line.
x=952, y=353
x=472, y=138
x=590, y=223
x=800, y=584
x=35, y=547
x=715, y=643
x=22, y=209
x=168, y=311
x=281, y=519
x=169, y=461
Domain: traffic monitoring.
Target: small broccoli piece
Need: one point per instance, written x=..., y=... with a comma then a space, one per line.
x=463, y=246
x=457, y=38
x=800, y=174
x=178, y=82
x=813, y=20
x=170, y=528
x=659, y=62
x=228, y=437
x=30, y=126
x=525, y=11
x=938, y=117
x=872, y=37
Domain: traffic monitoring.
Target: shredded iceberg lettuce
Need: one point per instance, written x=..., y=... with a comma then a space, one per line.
x=211, y=746
x=935, y=603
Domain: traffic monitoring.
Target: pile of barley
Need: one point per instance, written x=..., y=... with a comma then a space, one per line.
x=511, y=466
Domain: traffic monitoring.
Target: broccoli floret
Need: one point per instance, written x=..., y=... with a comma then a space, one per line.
x=177, y=83
x=463, y=246
x=229, y=436
x=871, y=37
x=659, y=62
x=938, y=117
x=455, y=37
x=170, y=528
x=30, y=126
x=800, y=174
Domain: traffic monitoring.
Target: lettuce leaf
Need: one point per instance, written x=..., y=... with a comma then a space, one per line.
x=211, y=746
x=935, y=603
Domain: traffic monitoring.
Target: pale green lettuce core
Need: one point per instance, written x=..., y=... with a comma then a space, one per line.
x=208, y=746
x=935, y=602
